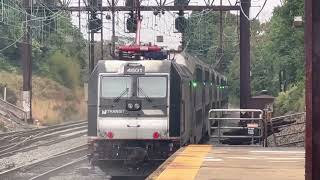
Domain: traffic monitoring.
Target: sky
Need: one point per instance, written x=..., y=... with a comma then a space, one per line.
x=153, y=26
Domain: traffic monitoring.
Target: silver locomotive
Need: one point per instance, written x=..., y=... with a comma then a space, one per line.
x=146, y=109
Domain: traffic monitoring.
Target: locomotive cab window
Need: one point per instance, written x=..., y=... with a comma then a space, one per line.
x=120, y=86
x=152, y=86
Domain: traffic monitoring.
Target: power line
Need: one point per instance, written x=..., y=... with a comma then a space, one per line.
x=12, y=44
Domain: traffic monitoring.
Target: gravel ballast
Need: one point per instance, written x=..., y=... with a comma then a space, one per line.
x=287, y=140
x=41, y=152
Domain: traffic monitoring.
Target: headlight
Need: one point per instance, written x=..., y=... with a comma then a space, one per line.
x=130, y=105
x=137, y=106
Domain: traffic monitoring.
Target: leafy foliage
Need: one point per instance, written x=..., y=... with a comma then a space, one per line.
x=202, y=38
x=279, y=47
x=64, y=69
x=59, y=54
x=291, y=100
x=276, y=46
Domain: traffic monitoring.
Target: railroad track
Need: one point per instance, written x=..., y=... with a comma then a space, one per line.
x=28, y=140
x=289, y=132
x=46, y=167
x=4, y=136
x=276, y=123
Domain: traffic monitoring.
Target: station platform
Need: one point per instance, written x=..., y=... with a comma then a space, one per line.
x=204, y=162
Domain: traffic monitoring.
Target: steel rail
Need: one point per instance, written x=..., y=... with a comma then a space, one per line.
x=40, y=137
x=40, y=161
x=17, y=111
x=48, y=173
x=41, y=129
x=288, y=116
x=42, y=144
x=288, y=125
x=21, y=136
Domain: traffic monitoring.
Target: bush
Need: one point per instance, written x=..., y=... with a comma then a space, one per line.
x=292, y=100
x=6, y=66
x=64, y=69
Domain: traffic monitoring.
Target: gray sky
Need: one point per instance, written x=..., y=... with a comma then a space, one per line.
x=164, y=25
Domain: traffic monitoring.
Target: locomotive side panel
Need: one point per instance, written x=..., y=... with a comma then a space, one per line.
x=93, y=100
x=199, y=87
x=183, y=85
x=207, y=87
x=175, y=103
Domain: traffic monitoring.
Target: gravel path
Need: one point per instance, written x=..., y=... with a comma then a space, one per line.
x=40, y=153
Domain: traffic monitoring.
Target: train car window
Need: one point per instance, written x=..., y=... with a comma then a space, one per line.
x=155, y=87
x=223, y=82
x=120, y=86
x=198, y=74
x=213, y=77
x=206, y=78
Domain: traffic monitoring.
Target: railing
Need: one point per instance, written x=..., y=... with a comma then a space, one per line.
x=295, y=129
x=13, y=110
x=250, y=120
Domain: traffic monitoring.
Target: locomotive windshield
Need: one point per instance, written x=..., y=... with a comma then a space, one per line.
x=120, y=86
x=153, y=87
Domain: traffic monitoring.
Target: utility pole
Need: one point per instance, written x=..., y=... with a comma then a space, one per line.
x=312, y=67
x=113, y=39
x=245, y=89
x=91, y=47
x=221, y=31
x=138, y=11
x=26, y=59
x=79, y=13
x=91, y=63
x=102, y=54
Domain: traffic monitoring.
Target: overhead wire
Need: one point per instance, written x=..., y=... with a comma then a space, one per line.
x=12, y=44
x=202, y=13
x=23, y=11
x=38, y=20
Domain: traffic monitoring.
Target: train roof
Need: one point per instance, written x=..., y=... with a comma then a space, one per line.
x=192, y=62
x=151, y=66
x=157, y=66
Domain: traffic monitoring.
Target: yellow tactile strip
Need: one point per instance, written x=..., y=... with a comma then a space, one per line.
x=187, y=164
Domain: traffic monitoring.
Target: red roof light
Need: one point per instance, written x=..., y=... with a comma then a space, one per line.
x=140, y=48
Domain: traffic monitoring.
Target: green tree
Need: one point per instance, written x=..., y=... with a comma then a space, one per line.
x=50, y=39
x=280, y=47
x=203, y=34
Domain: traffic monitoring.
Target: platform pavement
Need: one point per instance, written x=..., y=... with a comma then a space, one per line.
x=207, y=162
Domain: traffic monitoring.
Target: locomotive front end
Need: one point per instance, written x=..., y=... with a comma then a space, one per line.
x=132, y=113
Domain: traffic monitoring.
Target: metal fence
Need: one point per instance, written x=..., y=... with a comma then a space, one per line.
x=249, y=123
